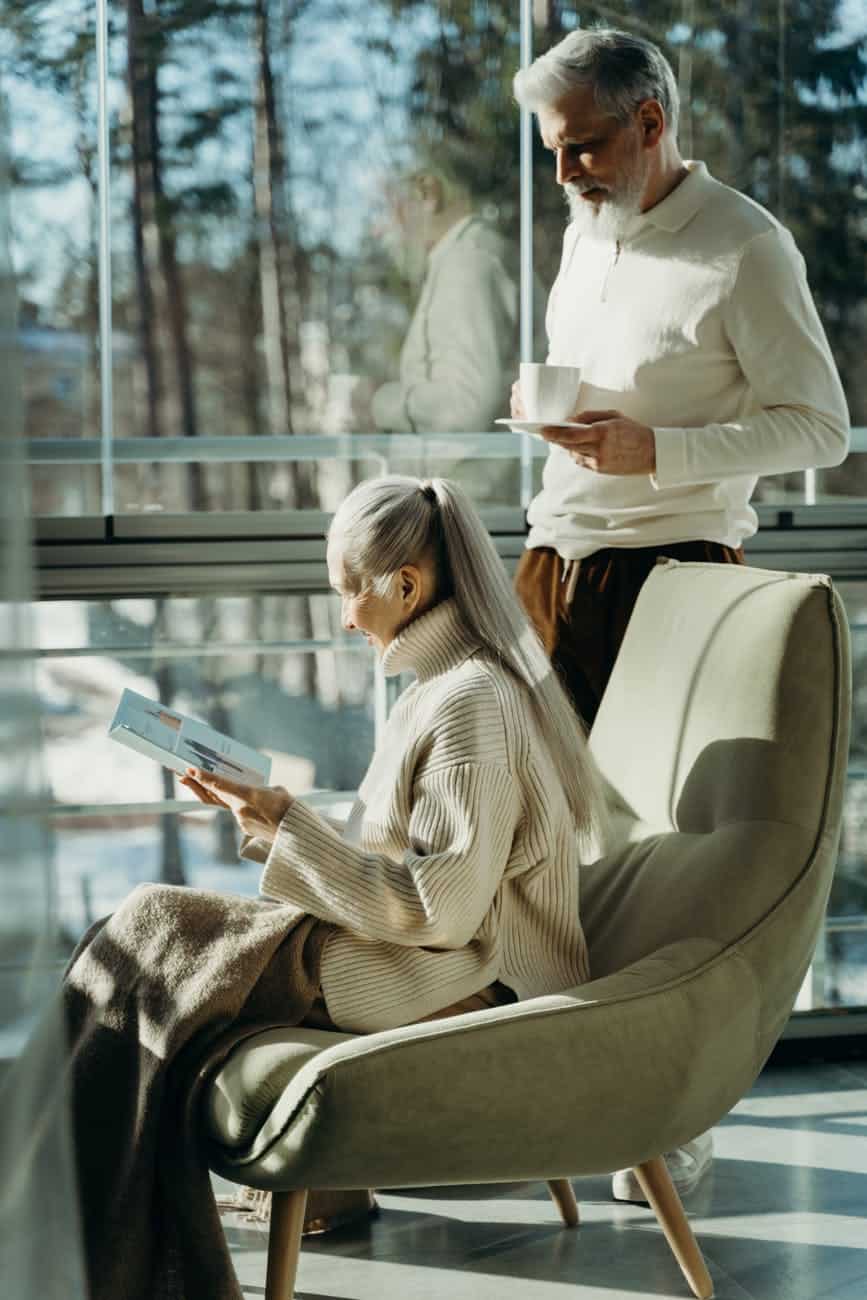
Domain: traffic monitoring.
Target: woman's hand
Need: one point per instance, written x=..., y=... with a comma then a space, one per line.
x=258, y=810
x=516, y=402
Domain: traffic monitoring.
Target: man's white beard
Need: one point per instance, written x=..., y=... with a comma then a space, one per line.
x=608, y=218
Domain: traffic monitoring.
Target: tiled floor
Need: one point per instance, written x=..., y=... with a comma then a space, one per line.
x=783, y=1216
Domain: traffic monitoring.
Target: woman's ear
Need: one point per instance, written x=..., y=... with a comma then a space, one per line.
x=410, y=586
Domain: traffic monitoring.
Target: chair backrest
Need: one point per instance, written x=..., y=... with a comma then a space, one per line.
x=723, y=738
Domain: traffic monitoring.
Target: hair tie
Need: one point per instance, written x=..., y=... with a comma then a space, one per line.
x=429, y=493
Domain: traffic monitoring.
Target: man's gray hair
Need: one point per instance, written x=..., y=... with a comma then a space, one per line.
x=623, y=70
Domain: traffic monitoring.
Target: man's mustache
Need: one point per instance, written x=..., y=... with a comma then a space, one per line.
x=584, y=187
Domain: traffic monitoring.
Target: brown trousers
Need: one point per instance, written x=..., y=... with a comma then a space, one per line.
x=495, y=995
x=582, y=636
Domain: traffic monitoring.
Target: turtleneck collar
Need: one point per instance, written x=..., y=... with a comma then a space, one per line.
x=431, y=644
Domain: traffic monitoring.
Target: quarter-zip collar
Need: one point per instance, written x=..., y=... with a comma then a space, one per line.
x=684, y=201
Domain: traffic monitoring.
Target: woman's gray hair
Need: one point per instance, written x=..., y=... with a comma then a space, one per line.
x=387, y=522
x=623, y=70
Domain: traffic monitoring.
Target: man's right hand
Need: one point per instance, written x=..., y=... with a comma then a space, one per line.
x=517, y=402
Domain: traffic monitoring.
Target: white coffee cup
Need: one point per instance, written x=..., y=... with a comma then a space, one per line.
x=549, y=392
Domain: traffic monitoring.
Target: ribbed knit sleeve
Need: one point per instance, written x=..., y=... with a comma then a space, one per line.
x=256, y=849
x=461, y=829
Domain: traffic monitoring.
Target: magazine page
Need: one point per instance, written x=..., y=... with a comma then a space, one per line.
x=180, y=742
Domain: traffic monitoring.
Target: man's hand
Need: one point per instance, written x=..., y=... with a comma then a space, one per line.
x=610, y=443
x=258, y=810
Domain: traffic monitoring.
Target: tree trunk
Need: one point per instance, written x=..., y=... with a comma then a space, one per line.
x=281, y=308
x=736, y=23
x=142, y=62
x=249, y=329
x=684, y=80
x=268, y=199
x=177, y=316
x=278, y=287
x=155, y=249
x=141, y=73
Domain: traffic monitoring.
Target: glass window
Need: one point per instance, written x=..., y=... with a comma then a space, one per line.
x=315, y=218
x=320, y=235
x=274, y=672
x=313, y=238
x=840, y=978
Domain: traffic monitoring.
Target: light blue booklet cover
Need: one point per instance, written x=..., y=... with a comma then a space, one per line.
x=180, y=742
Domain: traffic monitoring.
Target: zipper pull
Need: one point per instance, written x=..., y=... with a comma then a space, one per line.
x=603, y=297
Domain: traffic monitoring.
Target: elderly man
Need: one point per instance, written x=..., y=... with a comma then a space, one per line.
x=704, y=364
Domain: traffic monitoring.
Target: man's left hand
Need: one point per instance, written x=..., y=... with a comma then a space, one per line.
x=610, y=443
x=258, y=810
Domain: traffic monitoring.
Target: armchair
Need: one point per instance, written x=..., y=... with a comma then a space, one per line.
x=723, y=740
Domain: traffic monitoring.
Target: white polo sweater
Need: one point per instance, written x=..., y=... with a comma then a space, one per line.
x=700, y=323
x=459, y=862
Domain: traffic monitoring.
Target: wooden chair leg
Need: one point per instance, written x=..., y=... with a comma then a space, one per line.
x=655, y=1182
x=284, y=1243
x=564, y=1198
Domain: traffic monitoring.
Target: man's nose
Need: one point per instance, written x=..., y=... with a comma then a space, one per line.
x=568, y=167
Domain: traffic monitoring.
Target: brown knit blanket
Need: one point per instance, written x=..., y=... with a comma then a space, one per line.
x=146, y=996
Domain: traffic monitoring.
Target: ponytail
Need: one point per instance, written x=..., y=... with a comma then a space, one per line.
x=395, y=520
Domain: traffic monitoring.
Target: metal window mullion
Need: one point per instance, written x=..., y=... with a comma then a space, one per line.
x=71, y=812
x=105, y=324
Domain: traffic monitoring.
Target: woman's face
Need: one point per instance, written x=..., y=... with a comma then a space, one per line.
x=378, y=618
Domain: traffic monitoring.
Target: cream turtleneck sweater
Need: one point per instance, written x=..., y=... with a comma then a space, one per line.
x=458, y=864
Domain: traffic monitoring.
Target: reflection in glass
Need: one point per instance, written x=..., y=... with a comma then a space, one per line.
x=251, y=270
x=39, y=1242
x=459, y=355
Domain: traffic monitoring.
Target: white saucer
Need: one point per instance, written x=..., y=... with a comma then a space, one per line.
x=535, y=427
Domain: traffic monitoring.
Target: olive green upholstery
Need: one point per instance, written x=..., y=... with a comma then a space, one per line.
x=723, y=738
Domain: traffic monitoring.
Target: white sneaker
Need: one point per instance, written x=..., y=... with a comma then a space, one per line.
x=687, y=1166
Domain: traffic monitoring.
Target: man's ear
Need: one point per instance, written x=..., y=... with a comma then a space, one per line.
x=651, y=118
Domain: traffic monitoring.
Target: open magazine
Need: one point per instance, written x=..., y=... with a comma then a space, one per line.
x=180, y=742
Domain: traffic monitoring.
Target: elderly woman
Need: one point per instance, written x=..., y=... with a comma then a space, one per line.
x=453, y=886
x=454, y=883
